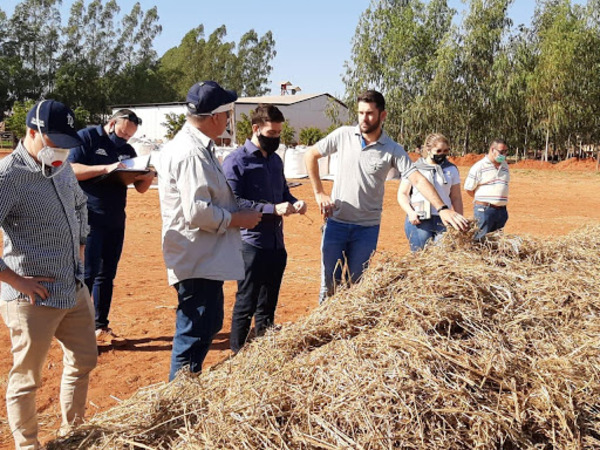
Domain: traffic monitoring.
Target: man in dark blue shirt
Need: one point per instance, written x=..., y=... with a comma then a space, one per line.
x=103, y=150
x=255, y=173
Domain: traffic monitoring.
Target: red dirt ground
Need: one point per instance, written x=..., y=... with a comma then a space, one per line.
x=543, y=203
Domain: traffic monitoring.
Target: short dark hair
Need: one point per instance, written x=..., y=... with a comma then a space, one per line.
x=498, y=141
x=372, y=96
x=265, y=112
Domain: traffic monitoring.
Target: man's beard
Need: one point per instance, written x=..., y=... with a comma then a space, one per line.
x=371, y=127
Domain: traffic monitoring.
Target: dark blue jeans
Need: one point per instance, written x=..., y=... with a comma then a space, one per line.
x=257, y=293
x=102, y=253
x=489, y=219
x=199, y=318
x=345, y=243
x=419, y=235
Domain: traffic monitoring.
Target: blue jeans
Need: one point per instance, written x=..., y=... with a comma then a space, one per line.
x=418, y=235
x=199, y=318
x=257, y=293
x=102, y=253
x=489, y=219
x=345, y=243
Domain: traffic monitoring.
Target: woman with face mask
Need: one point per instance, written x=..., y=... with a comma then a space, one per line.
x=423, y=222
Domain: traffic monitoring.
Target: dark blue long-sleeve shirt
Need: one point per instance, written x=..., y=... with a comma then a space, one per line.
x=259, y=183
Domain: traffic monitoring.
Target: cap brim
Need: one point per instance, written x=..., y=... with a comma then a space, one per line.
x=62, y=140
x=223, y=108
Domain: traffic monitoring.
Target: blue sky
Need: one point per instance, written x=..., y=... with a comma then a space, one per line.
x=313, y=37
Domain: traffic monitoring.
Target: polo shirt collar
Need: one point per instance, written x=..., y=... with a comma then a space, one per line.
x=382, y=140
x=489, y=161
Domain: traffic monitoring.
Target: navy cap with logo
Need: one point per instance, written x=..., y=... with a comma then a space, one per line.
x=56, y=121
x=207, y=97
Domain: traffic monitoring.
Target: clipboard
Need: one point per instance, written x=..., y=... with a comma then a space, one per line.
x=126, y=175
x=121, y=176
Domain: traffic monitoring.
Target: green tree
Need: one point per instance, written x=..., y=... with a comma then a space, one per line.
x=16, y=121
x=253, y=63
x=173, y=123
x=485, y=26
x=288, y=134
x=197, y=58
x=243, y=128
x=310, y=135
x=554, y=89
x=393, y=51
x=34, y=31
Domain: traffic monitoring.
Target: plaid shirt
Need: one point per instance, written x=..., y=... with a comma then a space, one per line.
x=44, y=222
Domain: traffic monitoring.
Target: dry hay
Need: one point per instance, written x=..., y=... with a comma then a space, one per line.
x=491, y=346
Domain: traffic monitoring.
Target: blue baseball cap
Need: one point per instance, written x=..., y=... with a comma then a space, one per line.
x=56, y=121
x=207, y=97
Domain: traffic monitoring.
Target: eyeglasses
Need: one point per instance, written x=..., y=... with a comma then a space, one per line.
x=502, y=152
x=132, y=118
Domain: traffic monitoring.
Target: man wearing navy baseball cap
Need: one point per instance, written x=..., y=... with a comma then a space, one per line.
x=44, y=217
x=201, y=224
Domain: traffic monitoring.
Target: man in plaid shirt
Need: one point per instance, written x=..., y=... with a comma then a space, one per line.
x=44, y=219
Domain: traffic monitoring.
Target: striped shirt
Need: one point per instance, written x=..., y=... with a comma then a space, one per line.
x=489, y=182
x=44, y=221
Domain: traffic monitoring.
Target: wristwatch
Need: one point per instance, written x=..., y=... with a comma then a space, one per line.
x=443, y=207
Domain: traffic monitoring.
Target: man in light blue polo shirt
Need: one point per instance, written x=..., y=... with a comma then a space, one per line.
x=353, y=211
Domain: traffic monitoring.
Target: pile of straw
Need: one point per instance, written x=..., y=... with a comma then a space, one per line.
x=465, y=345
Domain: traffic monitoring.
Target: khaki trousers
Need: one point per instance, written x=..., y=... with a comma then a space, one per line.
x=31, y=331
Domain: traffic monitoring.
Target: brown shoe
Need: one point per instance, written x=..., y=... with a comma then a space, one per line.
x=106, y=336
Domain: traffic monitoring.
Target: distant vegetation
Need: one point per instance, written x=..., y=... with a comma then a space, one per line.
x=536, y=86
x=99, y=57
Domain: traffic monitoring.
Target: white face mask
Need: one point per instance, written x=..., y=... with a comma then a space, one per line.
x=53, y=157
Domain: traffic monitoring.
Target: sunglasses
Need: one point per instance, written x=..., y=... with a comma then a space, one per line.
x=132, y=118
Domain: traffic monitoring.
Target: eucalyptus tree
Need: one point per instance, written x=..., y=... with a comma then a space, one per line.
x=513, y=69
x=394, y=49
x=253, y=66
x=34, y=31
x=196, y=58
x=559, y=90
x=484, y=27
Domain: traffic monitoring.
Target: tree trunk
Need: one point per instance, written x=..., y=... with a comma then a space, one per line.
x=547, y=144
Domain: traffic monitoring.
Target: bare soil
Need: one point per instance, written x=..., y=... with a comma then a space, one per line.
x=543, y=203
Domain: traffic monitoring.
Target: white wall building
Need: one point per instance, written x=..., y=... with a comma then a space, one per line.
x=301, y=110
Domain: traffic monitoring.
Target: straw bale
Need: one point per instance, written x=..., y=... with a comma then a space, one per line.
x=491, y=345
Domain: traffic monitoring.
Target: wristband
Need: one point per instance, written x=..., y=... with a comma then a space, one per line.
x=443, y=207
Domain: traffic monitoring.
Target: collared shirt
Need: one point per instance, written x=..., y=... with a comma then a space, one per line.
x=106, y=201
x=196, y=203
x=259, y=183
x=44, y=222
x=359, y=180
x=489, y=182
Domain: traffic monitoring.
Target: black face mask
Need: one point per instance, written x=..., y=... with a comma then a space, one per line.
x=439, y=159
x=268, y=144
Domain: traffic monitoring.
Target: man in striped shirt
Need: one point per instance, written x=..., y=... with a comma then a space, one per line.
x=487, y=183
x=44, y=219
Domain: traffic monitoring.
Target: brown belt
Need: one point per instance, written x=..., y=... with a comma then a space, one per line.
x=490, y=205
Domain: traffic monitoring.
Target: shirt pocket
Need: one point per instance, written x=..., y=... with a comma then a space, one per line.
x=372, y=163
